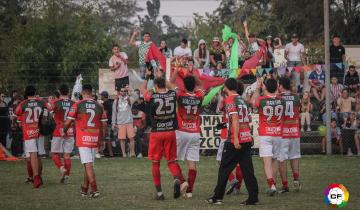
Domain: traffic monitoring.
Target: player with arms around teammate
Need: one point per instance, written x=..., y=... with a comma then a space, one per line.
x=290, y=144
x=90, y=122
x=188, y=134
x=62, y=145
x=237, y=149
x=28, y=113
x=270, y=109
x=162, y=140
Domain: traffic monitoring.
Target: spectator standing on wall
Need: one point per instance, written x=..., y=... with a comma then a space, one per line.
x=143, y=47
x=118, y=65
x=183, y=51
x=337, y=55
x=217, y=54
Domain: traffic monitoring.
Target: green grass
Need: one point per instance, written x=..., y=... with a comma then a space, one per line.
x=127, y=184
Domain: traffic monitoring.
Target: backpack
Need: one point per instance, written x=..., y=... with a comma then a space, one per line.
x=46, y=123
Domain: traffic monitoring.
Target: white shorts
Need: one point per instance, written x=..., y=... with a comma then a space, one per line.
x=220, y=150
x=294, y=148
x=267, y=145
x=34, y=145
x=281, y=149
x=188, y=146
x=87, y=155
x=62, y=145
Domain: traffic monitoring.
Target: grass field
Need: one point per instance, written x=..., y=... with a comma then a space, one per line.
x=126, y=184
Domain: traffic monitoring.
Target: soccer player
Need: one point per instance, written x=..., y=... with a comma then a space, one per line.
x=28, y=112
x=270, y=109
x=90, y=121
x=188, y=133
x=162, y=140
x=237, y=149
x=62, y=145
x=290, y=144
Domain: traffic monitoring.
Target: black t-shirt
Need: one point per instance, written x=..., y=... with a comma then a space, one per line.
x=108, y=109
x=163, y=111
x=336, y=54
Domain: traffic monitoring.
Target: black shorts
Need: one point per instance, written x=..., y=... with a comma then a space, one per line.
x=121, y=82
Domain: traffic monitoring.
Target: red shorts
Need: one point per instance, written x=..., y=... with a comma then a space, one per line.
x=162, y=144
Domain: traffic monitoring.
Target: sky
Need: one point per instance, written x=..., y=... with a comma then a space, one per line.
x=181, y=11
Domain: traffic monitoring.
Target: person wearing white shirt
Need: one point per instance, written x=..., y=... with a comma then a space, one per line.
x=294, y=52
x=182, y=51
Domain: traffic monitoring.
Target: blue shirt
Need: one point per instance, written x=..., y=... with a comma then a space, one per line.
x=317, y=78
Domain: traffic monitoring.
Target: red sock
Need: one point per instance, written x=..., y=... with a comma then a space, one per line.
x=84, y=189
x=176, y=171
x=239, y=176
x=67, y=165
x=285, y=184
x=270, y=182
x=29, y=169
x=296, y=175
x=57, y=160
x=93, y=186
x=191, y=180
x=156, y=173
x=231, y=177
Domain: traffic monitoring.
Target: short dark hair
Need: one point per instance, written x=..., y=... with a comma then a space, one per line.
x=146, y=32
x=189, y=83
x=160, y=82
x=115, y=45
x=57, y=94
x=251, y=35
x=333, y=120
x=336, y=36
x=351, y=67
x=87, y=88
x=285, y=83
x=30, y=91
x=271, y=85
x=64, y=90
x=231, y=84
x=240, y=87
x=185, y=41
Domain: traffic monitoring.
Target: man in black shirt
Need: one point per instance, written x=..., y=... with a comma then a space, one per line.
x=107, y=103
x=337, y=55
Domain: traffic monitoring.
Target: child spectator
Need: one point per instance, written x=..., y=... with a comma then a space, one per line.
x=306, y=107
x=317, y=83
x=139, y=122
x=335, y=137
x=344, y=104
x=335, y=89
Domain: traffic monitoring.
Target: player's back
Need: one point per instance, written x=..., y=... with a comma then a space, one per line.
x=60, y=109
x=28, y=113
x=290, y=120
x=163, y=111
x=189, y=109
x=270, y=110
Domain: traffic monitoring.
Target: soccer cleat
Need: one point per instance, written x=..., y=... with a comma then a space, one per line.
x=177, y=191
x=64, y=179
x=94, y=194
x=232, y=186
x=271, y=191
x=139, y=155
x=97, y=156
x=247, y=203
x=297, y=185
x=189, y=195
x=83, y=192
x=215, y=201
x=284, y=190
x=29, y=180
x=160, y=197
x=183, y=188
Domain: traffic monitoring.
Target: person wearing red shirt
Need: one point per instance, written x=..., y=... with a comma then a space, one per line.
x=237, y=149
x=162, y=140
x=270, y=108
x=90, y=127
x=28, y=113
x=59, y=145
x=290, y=144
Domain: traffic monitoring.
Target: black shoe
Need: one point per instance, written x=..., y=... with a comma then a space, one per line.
x=215, y=201
x=284, y=190
x=160, y=197
x=247, y=203
x=177, y=191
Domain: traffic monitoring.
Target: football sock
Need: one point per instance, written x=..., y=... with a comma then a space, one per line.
x=57, y=160
x=176, y=171
x=296, y=175
x=29, y=169
x=67, y=164
x=156, y=175
x=93, y=186
x=191, y=180
x=270, y=182
x=84, y=189
x=285, y=184
x=239, y=176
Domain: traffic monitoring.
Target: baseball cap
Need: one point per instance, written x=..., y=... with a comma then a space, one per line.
x=104, y=94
